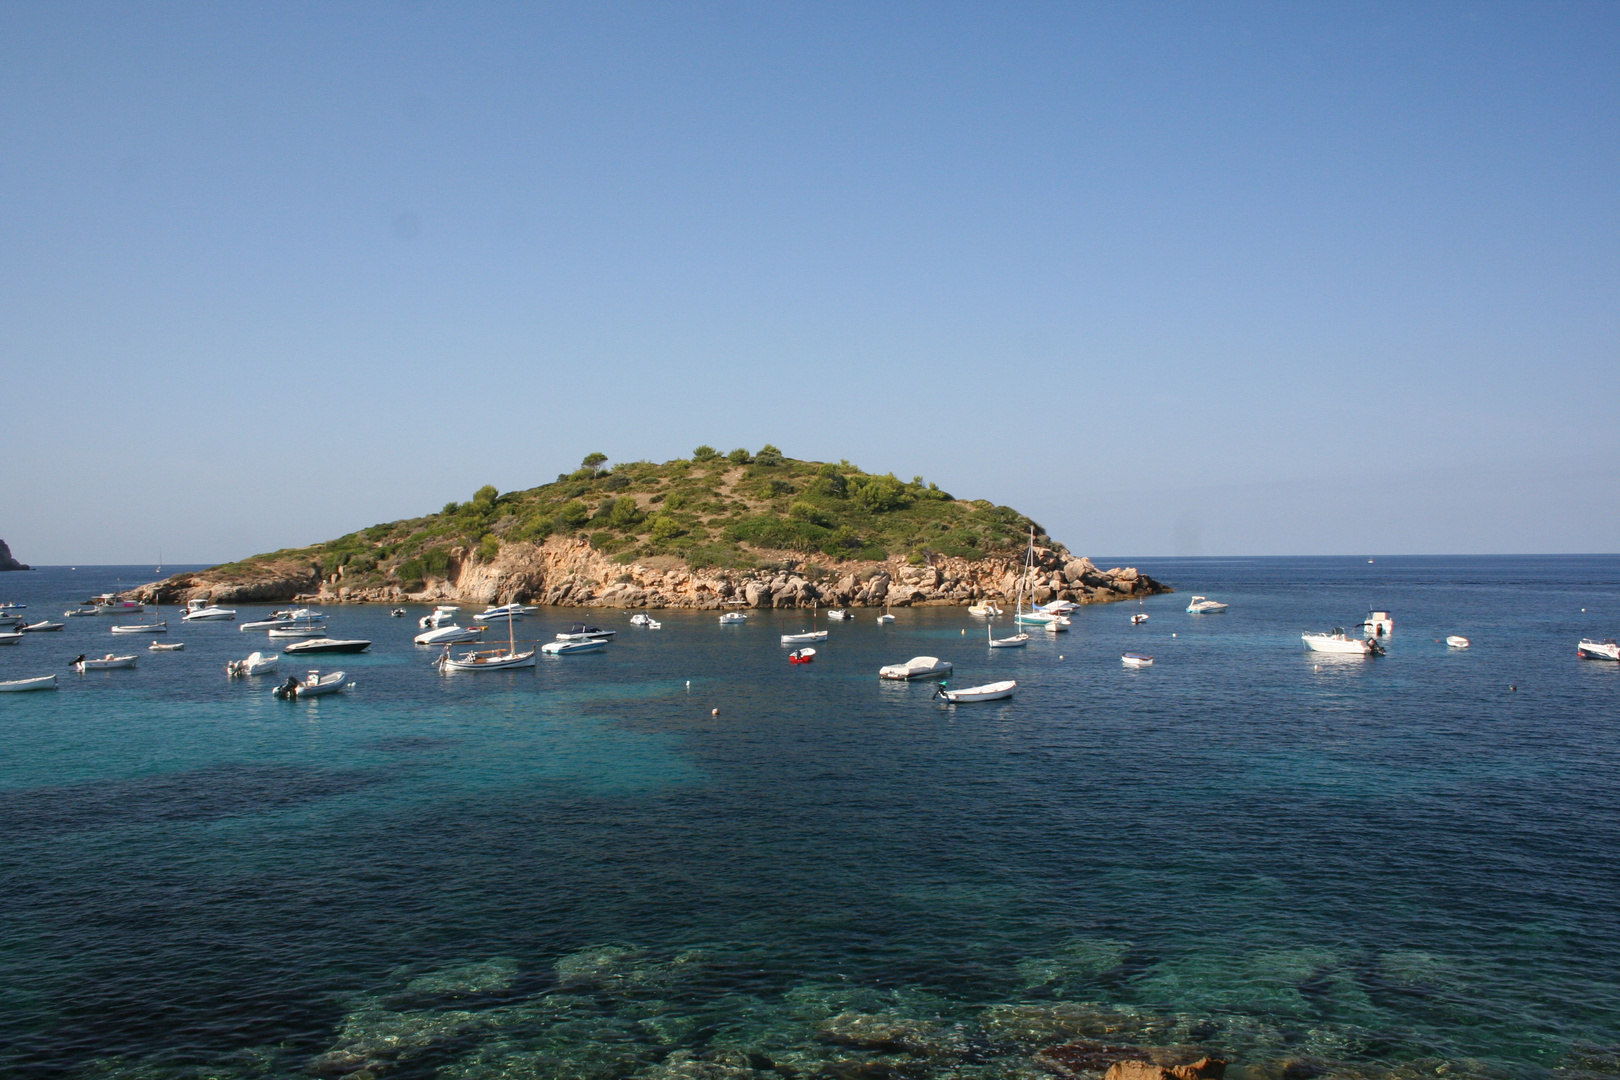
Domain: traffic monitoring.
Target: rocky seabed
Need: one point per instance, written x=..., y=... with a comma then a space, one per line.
x=615, y=1010
x=571, y=573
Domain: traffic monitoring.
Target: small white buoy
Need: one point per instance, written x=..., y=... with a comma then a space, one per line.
x=964, y=631
x=1172, y=635
x=714, y=712
x=1316, y=667
x=1060, y=656
x=689, y=684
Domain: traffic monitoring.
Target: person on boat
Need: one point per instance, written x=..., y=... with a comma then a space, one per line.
x=77, y=660
x=290, y=687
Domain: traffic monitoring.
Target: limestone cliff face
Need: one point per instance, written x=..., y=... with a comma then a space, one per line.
x=569, y=572
x=7, y=562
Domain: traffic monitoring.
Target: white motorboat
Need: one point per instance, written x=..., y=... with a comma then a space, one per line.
x=1058, y=626
x=654, y=624
x=1598, y=650
x=80, y=613
x=506, y=612
x=159, y=627
x=398, y=613
x=918, y=667
x=443, y=615
x=301, y=628
x=984, y=609
x=1057, y=607
x=11, y=605
x=887, y=616
x=988, y=692
x=83, y=664
x=1340, y=642
x=1202, y=605
x=450, y=635
x=733, y=618
x=12, y=620
x=1457, y=641
x=283, y=618
x=257, y=663
x=14, y=686
x=1139, y=617
x=565, y=648
x=41, y=627
x=203, y=611
x=640, y=618
x=325, y=645
x=839, y=614
x=10, y=637
x=109, y=604
x=172, y=646
x=314, y=685
x=1134, y=659
x=1378, y=624
x=581, y=632
x=801, y=639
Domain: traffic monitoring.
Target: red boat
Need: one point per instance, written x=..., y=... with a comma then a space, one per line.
x=802, y=656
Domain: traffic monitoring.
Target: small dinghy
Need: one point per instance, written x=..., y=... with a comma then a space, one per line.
x=918, y=667
x=800, y=639
x=1136, y=659
x=802, y=656
x=326, y=644
x=41, y=627
x=1058, y=625
x=985, y=610
x=1017, y=641
x=566, y=648
x=449, y=635
x=733, y=618
x=1457, y=641
x=314, y=685
x=257, y=663
x=838, y=613
x=159, y=627
x=397, y=613
x=1139, y=617
x=80, y=613
x=988, y=692
x=443, y=615
x=16, y=686
x=173, y=646
x=1598, y=650
x=654, y=624
x=106, y=663
x=640, y=618
x=312, y=627
x=885, y=618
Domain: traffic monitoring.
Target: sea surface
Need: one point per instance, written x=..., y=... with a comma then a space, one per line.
x=1393, y=866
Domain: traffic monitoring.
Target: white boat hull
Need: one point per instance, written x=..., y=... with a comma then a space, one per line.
x=1598, y=650
x=1457, y=641
x=1017, y=641
x=988, y=692
x=1136, y=660
x=106, y=663
x=255, y=664
x=733, y=618
x=327, y=645
x=804, y=639
x=153, y=628
x=1339, y=643
x=314, y=686
x=17, y=686
x=563, y=648
x=473, y=662
x=450, y=635
x=918, y=667
x=40, y=627
x=10, y=637
x=1203, y=606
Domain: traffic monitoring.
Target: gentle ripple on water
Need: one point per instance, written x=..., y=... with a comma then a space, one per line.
x=579, y=871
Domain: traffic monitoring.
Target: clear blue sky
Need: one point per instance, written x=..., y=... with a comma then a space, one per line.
x=1174, y=279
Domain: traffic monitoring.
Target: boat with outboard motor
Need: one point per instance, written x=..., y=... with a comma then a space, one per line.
x=1340, y=642
x=733, y=618
x=10, y=637
x=159, y=627
x=313, y=685
x=1378, y=624
x=504, y=612
x=562, y=647
x=442, y=615
x=300, y=628
x=839, y=613
x=1203, y=605
x=1457, y=641
x=918, y=667
x=802, y=656
x=985, y=610
x=166, y=646
x=1133, y=659
x=995, y=691
x=284, y=617
x=106, y=663
x=256, y=663
x=581, y=632
x=41, y=627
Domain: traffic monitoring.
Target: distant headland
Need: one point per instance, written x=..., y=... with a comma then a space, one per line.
x=7, y=562
x=759, y=529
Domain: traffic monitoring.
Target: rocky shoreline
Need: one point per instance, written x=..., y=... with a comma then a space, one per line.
x=569, y=572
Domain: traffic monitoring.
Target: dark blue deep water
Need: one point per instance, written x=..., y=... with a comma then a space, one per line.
x=577, y=871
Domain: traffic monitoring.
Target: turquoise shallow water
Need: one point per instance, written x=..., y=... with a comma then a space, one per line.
x=579, y=871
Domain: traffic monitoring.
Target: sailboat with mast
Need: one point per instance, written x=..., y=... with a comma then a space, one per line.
x=1019, y=639
x=489, y=659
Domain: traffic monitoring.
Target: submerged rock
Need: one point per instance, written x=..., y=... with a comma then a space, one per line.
x=1078, y=961
x=480, y=977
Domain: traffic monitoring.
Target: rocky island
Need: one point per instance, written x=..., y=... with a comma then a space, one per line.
x=7, y=562
x=757, y=529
